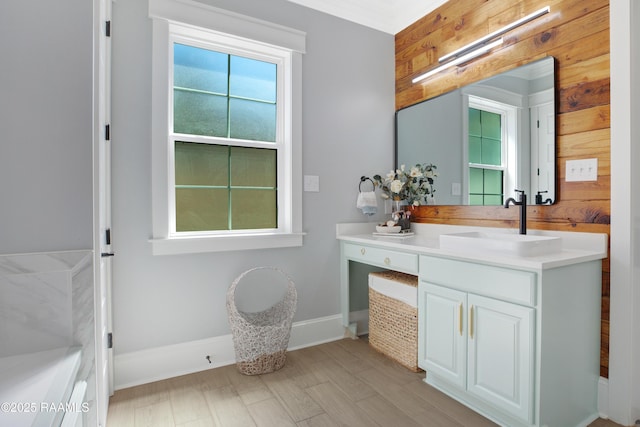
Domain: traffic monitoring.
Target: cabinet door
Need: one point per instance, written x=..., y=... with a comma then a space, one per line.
x=501, y=354
x=441, y=333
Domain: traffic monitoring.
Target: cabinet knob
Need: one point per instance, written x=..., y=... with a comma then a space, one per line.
x=363, y=250
x=387, y=261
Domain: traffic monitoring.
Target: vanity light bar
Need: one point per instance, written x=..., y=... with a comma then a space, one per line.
x=495, y=34
x=480, y=46
x=460, y=60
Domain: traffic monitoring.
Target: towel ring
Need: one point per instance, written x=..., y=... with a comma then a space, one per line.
x=363, y=179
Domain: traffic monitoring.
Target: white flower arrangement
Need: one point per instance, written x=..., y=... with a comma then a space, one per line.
x=412, y=186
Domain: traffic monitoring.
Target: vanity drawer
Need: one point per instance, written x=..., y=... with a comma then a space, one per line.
x=501, y=283
x=394, y=260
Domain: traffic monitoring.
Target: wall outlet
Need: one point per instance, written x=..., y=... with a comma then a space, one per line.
x=582, y=170
x=456, y=188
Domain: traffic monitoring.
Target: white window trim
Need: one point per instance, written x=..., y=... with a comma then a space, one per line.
x=239, y=27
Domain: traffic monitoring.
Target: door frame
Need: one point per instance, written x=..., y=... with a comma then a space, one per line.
x=102, y=206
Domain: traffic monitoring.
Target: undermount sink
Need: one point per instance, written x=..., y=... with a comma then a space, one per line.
x=506, y=243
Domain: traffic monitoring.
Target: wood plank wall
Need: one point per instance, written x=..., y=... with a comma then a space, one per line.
x=576, y=33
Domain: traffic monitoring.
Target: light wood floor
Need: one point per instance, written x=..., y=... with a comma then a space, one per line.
x=343, y=383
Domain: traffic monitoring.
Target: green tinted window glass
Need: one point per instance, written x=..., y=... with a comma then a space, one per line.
x=485, y=186
x=485, y=148
x=221, y=95
x=491, y=152
x=476, y=200
x=202, y=209
x=491, y=125
x=199, y=113
x=253, y=209
x=252, y=120
x=492, y=181
x=221, y=187
x=475, y=128
x=475, y=149
x=253, y=167
x=492, y=200
x=201, y=164
x=476, y=181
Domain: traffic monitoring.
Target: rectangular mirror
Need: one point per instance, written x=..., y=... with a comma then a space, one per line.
x=487, y=139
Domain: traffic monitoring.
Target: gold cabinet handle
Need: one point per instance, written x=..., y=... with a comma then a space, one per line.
x=363, y=250
x=387, y=261
x=460, y=319
x=471, y=322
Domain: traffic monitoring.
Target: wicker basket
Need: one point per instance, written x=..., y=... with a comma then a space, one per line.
x=260, y=339
x=393, y=324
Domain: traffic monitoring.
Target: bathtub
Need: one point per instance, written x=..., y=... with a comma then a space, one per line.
x=36, y=388
x=47, y=345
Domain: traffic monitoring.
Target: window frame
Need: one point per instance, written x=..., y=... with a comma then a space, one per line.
x=181, y=21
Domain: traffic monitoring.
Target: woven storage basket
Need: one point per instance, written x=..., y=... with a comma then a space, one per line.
x=260, y=339
x=393, y=324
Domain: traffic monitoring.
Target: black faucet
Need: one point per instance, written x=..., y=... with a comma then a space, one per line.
x=539, y=199
x=523, y=209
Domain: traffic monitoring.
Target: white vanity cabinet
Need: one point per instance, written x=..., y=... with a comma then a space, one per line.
x=492, y=338
x=481, y=345
x=515, y=338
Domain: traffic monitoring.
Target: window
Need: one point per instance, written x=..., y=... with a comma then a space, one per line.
x=491, y=150
x=228, y=179
x=486, y=168
x=226, y=131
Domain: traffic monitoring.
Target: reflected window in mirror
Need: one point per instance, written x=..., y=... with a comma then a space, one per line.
x=491, y=147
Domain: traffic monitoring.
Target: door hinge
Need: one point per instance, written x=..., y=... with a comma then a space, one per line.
x=107, y=132
x=107, y=29
x=107, y=236
x=538, y=124
x=109, y=340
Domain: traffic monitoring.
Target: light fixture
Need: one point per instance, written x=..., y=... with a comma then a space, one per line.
x=460, y=60
x=480, y=46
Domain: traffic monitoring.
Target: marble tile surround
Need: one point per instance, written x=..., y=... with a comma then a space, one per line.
x=46, y=301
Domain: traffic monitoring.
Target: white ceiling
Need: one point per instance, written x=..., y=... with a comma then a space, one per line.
x=389, y=16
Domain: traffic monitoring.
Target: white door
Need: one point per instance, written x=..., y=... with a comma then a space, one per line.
x=501, y=349
x=442, y=351
x=543, y=152
x=102, y=206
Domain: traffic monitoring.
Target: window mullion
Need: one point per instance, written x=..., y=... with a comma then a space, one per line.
x=229, y=195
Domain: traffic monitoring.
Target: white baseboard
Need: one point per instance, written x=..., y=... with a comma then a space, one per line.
x=159, y=363
x=603, y=397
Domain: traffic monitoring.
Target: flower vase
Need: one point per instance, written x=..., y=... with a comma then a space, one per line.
x=403, y=220
x=395, y=206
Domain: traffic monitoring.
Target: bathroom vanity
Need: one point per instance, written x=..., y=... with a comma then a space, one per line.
x=510, y=329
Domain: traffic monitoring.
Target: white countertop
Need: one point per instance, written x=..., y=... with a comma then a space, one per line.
x=577, y=247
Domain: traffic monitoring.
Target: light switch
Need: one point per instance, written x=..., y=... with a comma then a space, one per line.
x=456, y=188
x=582, y=170
x=312, y=183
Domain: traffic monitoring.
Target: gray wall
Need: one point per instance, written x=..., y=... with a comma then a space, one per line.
x=45, y=123
x=431, y=132
x=348, y=103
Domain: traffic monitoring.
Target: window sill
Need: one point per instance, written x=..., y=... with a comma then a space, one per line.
x=190, y=245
